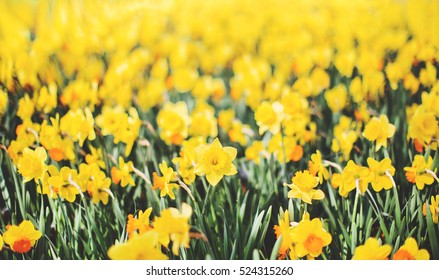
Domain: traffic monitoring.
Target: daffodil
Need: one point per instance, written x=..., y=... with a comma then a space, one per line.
x=434, y=208
x=140, y=247
x=411, y=251
x=215, y=161
x=79, y=124
x=316, y=167
x=310, y=237
x=186, y=162
x=65, y=182
x=255, y=151
x=372, y=250
x=381, y=174
x=285, y=230
x=173, y=121
x=418, y=172
x=139, y=225
x=32, y=164
x=164, y=182
x=379, y=130
x=353, y=177
x=269, y=117
x=337, y=98
x=303, y=187
x=173, y=225
x=122, y=174
x=1, y=242
x=21, y=238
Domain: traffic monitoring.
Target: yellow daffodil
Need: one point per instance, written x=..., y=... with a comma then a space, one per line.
x=353, y=177
x=423, y=125
x=411, y=251
x=434, y=208
x=173, y=122
x=337, y=98
x=269, y=117
x=418, y=173
x=122, y=174
x=255, y=151
x=285, y=230
x=164, y=182
x=32, y=164
x=303, y=187
x=65, y=183
x=372, y=250
x=21, y=238
x=214, y=161
x=381, y=174
x=173, y=225
x=139, y=225
x=1, y=242
x=310, y=237
x=186, y=162
x=316, y=167
x=379, y=130
x=3, y=102
x=79, y=124
x=140, y=247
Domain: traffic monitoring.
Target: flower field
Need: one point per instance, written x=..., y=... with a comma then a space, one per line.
x=232, y=130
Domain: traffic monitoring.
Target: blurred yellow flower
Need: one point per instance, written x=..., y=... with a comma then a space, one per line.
x=173, y=122
x=255, y=151
x=164, y=182
x=423, y=126
x=139, y=225
x=372, y=250
x=303, y=187
x=3, y=102
x=269, y=117
x=79, y=124
x=122, y=174
x=411, y=251
x=379, y=130
x=32, y=164
x=337, y=98
x=173, y=225
x=140, y=247
x=1, y=242
x=21, y=238
x=214, y=161
x=316, y=167
x=186, y=162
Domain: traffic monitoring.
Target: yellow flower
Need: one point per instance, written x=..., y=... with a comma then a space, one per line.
x=225, y=118
x=203, y=121
x=173, y=225
x=26, y=108
x=303, y=187
x=310, y=237
x=21, y=238
x=32, y=164
x=95, y=156
x=1, y=242
x=423, y=126
x=3, y=102
x=238, y=132
x=381, y=174
x=140, y=247
x=122, y=174
x=269, y=117
x=46, y=100
x=372, y=250
x=352, y=177
x=337, y=98
x=255, y=151
x=316, y=167
x=65, y=183
x=173, y=121
x=418, y=173
x=411, y=251
x=214, y=161
x=344, y=137
x=434, y=208
x=164, y=183
x=79, y=124
x=379, y=129
x=186, y=162
x=284, y=228
x=139, y=225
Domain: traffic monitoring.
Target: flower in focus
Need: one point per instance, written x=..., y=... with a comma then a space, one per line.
x=379, y=130
x=418, y=172
x=372, y=250
x=310, y=237
x=411, y=251
x=140, y=247
x=173, y=225
x=381, y=174
x=65, y=183
x=32, y=164
x=316, y=167
x=164, y=182
x=434, y=208
x=21, y=238
x=214, y=161
x=303, y=187
x=122, y=174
